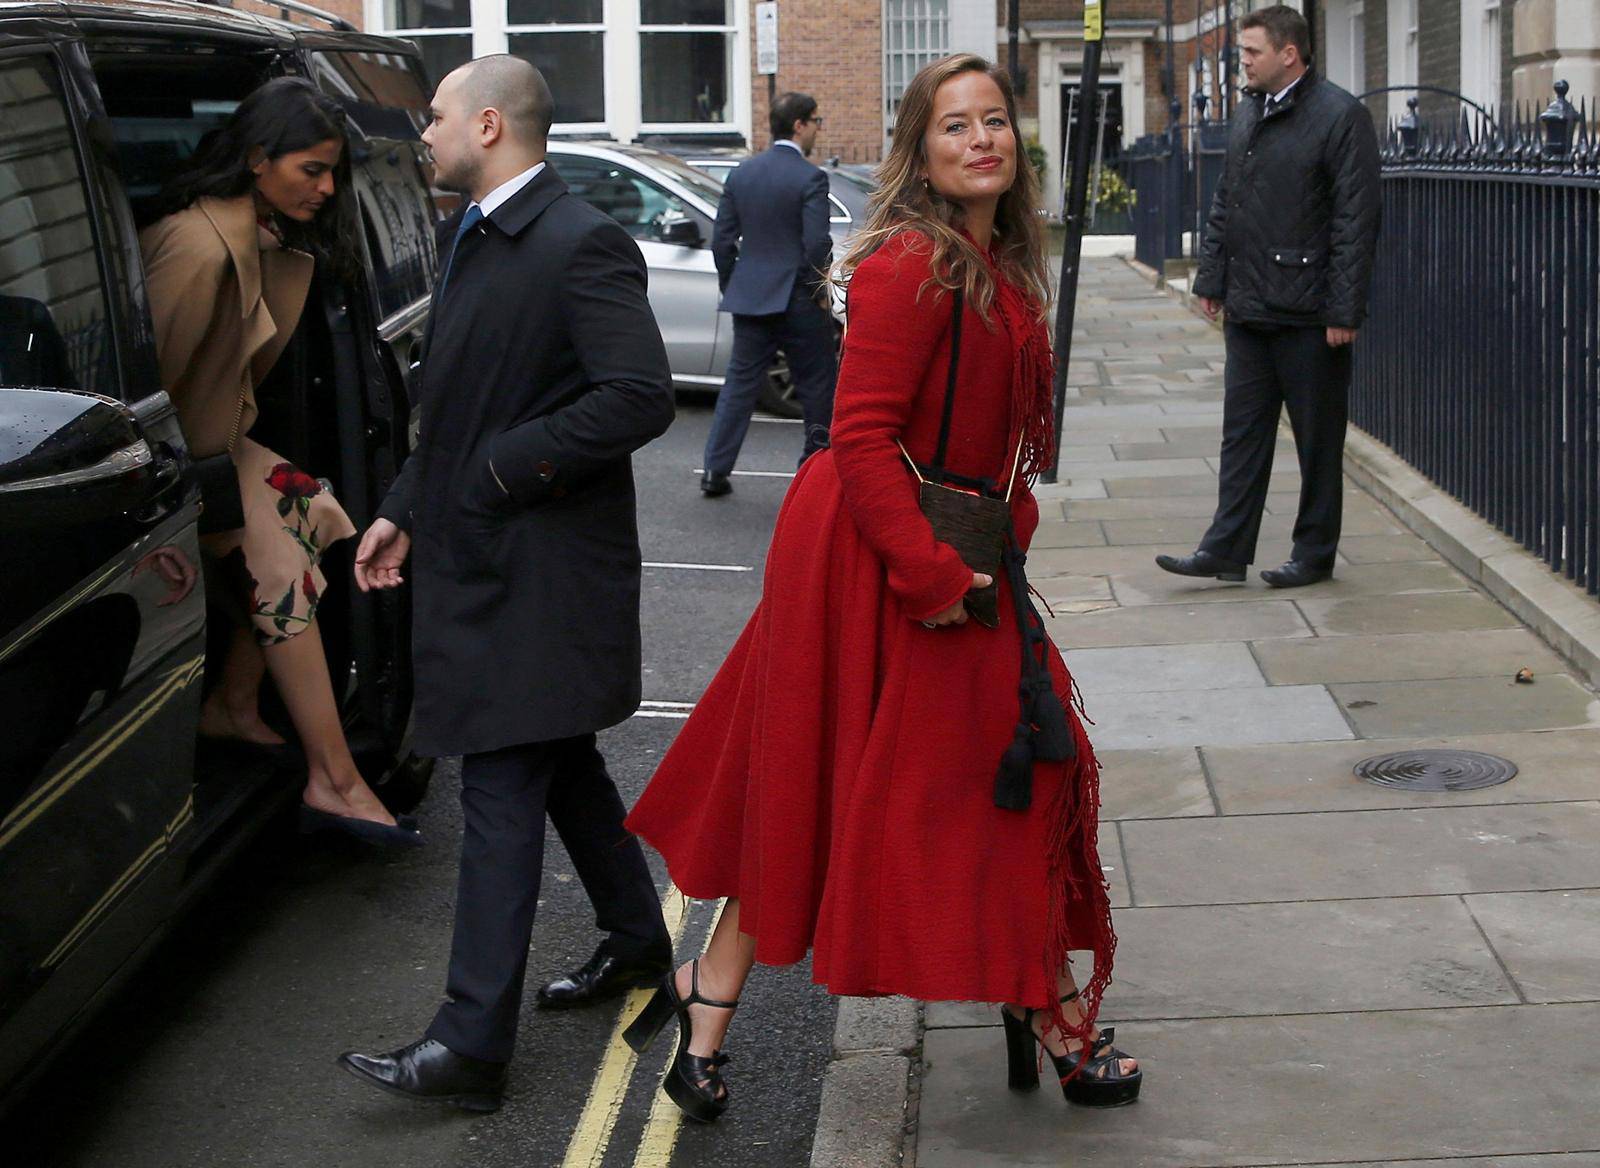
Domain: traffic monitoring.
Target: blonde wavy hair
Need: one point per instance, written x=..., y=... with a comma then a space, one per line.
x=905, y=200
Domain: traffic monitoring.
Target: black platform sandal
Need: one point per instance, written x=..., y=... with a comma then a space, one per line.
x=1100, y=1082
x=693, y=1082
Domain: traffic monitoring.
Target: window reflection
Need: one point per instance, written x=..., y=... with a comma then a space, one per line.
x=52, y=309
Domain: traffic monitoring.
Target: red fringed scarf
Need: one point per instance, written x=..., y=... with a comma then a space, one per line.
x=1032, y=378
x=1075, y=871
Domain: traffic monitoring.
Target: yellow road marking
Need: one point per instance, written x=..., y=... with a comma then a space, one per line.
x=94, y=754
x=666, y=1121
x=592, y=1136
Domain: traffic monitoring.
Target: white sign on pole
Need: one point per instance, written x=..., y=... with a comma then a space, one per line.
x=767, y=38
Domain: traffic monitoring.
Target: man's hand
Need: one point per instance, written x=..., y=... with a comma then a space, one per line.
x=383, y=549
x=1340, y=336
x=1210, y=307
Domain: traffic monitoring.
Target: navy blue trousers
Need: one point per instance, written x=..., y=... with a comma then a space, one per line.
x=805, y=334
x=1269, y=368
x=505, y=796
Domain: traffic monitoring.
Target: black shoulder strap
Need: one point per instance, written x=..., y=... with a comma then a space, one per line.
x=958, y=299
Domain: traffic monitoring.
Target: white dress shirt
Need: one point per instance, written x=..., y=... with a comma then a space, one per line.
x=791, y=144
x=498, y=197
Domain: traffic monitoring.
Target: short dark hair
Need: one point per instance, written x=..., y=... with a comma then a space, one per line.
x=787, y=109
x=1284, y=26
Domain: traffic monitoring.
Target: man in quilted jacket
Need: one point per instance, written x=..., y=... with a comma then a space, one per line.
x=1287, y=255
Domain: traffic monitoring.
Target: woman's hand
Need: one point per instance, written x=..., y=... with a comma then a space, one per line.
x=956, y=614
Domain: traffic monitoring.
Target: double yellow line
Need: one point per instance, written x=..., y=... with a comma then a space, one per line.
x=101, y=749
x=592, y=1137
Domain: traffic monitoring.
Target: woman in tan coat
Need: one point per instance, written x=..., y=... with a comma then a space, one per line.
x=228, y=270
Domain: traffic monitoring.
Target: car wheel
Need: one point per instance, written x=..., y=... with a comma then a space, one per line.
x=777, y=396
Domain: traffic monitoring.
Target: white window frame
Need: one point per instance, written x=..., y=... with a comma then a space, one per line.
x=737, y=81
x=1480, y=51
x=928, y=39
x=621, y=52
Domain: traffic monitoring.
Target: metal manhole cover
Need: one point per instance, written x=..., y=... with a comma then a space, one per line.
x=1437, y=770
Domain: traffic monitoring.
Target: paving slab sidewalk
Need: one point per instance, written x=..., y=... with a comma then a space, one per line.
x=1313, y=969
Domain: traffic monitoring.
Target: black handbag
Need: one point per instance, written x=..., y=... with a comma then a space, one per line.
x=966, y=513
x=221, y=501
x=975, y=519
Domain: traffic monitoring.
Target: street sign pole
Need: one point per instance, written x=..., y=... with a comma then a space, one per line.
x=1083, y=150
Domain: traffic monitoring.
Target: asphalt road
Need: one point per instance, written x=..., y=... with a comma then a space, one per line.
x=220, y=1053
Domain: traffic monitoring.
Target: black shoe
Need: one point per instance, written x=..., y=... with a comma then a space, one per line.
x=713, y=485
x=1093, y=1081
x=403, y=833
x=1296, y=574
x=1202, y=564
x=606, y=975
x=431, y=1072
x=693, y=1082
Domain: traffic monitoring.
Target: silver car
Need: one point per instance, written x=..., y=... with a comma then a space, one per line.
x=669, y=208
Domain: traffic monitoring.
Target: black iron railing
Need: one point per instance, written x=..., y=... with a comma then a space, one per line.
x=1479, y=363
x=1173, y=176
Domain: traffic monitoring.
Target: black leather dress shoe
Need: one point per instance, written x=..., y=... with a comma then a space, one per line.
x=1296, y=574
x=431, y=1072
x=713, y=485
x=1202, y=564
x=606, y=975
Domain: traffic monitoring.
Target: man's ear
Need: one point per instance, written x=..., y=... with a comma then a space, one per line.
x=491, y=127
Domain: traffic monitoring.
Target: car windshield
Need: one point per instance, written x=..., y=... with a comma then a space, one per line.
x=697, y=181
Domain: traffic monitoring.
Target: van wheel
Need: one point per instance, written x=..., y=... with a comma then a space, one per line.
x=406, y=785
x=777, y=396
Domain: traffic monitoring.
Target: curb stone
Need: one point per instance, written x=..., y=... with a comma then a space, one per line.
x=1560, y=612
x=867, y=1106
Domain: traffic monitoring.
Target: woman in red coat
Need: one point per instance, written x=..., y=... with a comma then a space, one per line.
x=838, y=780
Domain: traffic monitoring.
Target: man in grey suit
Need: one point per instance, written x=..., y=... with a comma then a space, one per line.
x=772, y=250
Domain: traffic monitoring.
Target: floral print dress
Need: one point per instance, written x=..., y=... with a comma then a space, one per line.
x=272, y=562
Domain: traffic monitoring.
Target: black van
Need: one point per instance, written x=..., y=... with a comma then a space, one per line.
x=111, y=816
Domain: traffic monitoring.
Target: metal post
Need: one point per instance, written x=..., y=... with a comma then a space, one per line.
x=1077, y=197
x=1225, y=74
x=1013, y=21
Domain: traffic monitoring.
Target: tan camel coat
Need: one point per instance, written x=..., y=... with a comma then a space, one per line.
x=225, y=299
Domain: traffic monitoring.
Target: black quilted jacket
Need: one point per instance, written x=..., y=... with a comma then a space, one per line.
x=1294, y=224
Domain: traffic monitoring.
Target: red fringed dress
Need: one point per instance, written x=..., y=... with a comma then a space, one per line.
x=838, y=775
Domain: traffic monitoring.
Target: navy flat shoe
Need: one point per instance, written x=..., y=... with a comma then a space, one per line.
x=403, y=834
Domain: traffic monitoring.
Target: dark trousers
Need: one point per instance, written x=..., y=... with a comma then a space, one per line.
x=505, y=796
x=805, y=334
x=1269, y=368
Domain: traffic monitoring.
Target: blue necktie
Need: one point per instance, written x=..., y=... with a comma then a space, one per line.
x=468, y=222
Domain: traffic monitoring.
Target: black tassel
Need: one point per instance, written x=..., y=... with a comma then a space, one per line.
x=1052, y=733
x=1013, y=784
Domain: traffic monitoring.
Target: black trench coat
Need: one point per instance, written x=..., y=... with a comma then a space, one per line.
x=542, y=358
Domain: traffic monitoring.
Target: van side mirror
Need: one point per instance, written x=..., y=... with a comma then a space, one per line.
x=69, y=458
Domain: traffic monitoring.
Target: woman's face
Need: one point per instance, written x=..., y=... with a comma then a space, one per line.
x=297, y=184
x=970, y=145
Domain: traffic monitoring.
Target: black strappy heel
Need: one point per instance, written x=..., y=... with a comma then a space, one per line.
x=693, y=1082
x=1087, y=1087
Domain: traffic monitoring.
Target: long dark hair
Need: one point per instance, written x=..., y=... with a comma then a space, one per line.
x=284, y=115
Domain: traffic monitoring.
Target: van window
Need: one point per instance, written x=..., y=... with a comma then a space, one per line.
x=388, y=110
x=53, y=329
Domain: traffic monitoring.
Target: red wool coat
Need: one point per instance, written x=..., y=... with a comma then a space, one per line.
x=838, y=775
